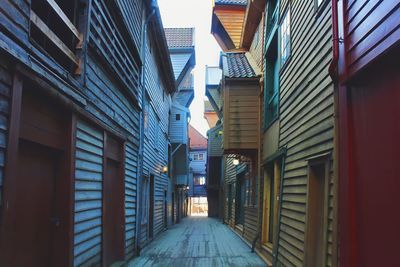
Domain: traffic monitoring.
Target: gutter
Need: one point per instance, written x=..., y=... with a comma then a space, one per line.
x=141, y=144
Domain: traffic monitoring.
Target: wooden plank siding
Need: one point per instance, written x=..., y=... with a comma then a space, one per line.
x=155, y=141
x=232, y=21
x=241, y=118
x=88, y=195
x=371, y=28
x=256, y=49
x=306, y=123
x=215, y=141
x=5, y=101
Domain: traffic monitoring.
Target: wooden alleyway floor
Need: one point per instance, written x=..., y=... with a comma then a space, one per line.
x=197, y=241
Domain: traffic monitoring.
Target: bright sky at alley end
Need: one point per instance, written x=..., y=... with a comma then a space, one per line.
x=197, y=14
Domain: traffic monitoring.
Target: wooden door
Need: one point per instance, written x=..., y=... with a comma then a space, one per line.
x=113, y=217
x=151, y=207
x=35, y=221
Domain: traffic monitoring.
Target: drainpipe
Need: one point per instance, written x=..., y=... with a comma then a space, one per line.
x=335, y=41
x=142, y=117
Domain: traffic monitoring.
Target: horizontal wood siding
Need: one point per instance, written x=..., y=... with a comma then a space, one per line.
x=132, y=13
x=156, y=142
x=131, y=167
x=371, y=27
x=5, y=100
x=250, y=223
x=88, y=195
x=111, y=46
x=241, y=124
x=215, y=141
x=306, y=122
x=256, y=48
x=178, y=131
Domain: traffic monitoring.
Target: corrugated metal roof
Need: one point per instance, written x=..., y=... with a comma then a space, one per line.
x=179, y=37
x=236, y=65
x=231, y=2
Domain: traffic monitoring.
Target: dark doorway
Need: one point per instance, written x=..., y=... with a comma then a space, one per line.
x=173, y=207
x=36, y=225
x=151, y=208
x=240, y=199
x=36, y=219
x=165, y=209
x=113, y=214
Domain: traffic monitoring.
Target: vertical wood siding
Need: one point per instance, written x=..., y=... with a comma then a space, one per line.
x=306, y=122
x=88, y=195
x=5, y=94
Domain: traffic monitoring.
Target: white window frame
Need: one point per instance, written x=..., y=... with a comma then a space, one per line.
x=285, y=38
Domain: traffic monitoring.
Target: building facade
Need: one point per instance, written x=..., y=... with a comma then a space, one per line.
x=280, y=172
x=85, y=104
x=182, y=51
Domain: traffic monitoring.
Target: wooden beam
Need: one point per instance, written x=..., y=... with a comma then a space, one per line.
x=65, y=19
x=53, y=37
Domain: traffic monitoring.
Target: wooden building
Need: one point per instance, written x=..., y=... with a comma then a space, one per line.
x=365, y=68
x=213, y=115
x=183, y=57
x=239, y=90
x=73, y=94
x=198, y=162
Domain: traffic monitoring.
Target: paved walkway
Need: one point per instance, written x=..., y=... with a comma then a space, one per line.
x=195, y=242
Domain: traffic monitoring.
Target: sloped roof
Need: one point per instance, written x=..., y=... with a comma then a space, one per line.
x=184, y=97
x=208, y=107
x=236, y=65
x=197, y=140
x=231, y=2
x=179, y=37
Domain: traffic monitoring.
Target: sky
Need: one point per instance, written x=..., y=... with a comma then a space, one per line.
x=197, y=14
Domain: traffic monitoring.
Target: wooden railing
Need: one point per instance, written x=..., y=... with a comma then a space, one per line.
x=44, y=28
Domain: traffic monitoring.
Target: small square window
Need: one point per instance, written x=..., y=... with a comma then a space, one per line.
x=201, y=156
x=178, y=117
x=196, y=157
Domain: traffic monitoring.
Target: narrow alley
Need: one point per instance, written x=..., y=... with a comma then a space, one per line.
x=190, y=133
x=198, y=241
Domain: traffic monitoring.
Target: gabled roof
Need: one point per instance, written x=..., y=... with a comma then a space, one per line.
x=179, y=37
x=231, y=2
x=236, y=65
x=197, y=140
x=182, y=51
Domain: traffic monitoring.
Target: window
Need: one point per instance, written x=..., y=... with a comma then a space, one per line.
x=201, y=156
x=198, y=156
x=178, y=117
x=271, y=83
x=285, y=38
x=55, y=29
x=199, y=180
x=272, y=173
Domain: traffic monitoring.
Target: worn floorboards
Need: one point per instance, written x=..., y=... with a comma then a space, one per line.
x=195, y=242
